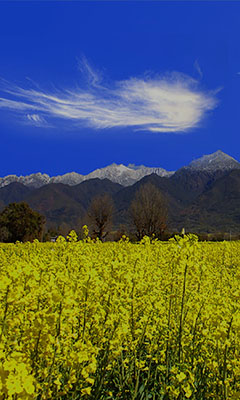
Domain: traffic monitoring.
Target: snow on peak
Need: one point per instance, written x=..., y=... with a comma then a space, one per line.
x=71, y=178
x=118, y=173
x=215, y=161
x=126, y=175
x=34, y=180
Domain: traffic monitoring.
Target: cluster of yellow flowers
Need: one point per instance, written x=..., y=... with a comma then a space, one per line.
x=92, y=320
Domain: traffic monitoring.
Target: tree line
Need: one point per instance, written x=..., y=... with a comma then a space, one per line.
x=147, y=215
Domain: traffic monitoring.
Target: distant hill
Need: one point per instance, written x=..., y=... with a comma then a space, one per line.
x=14, y=192
x=217, y=208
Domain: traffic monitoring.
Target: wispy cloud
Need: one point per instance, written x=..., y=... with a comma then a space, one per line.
x=36, y=119
x=173, y=103
x=198, y=68
x=92, y=76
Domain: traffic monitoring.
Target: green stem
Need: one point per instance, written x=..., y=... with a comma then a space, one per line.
x=5, y=313
x=225, y=362
x=181, y=314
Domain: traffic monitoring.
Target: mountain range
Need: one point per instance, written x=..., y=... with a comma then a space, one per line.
x=203, y=196
x=121, y=174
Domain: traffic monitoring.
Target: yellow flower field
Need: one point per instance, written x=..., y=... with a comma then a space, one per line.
x=92, y=320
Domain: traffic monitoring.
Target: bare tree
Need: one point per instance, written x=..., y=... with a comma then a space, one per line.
x=99, y=216
x=148, y=212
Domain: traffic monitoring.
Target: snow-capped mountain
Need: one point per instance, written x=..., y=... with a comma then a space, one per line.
x=214, y=161
x=126, y=176
x=71, y=179
x=34, y=180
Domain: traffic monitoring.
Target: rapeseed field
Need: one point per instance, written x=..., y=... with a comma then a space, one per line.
x=92, y=320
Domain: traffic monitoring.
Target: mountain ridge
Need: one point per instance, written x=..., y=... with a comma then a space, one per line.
x=202, y=197
x=125, y=175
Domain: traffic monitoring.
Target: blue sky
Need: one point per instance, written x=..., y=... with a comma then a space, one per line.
x=84, y=84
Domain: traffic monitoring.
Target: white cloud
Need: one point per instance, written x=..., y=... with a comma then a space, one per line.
x=173, y=103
